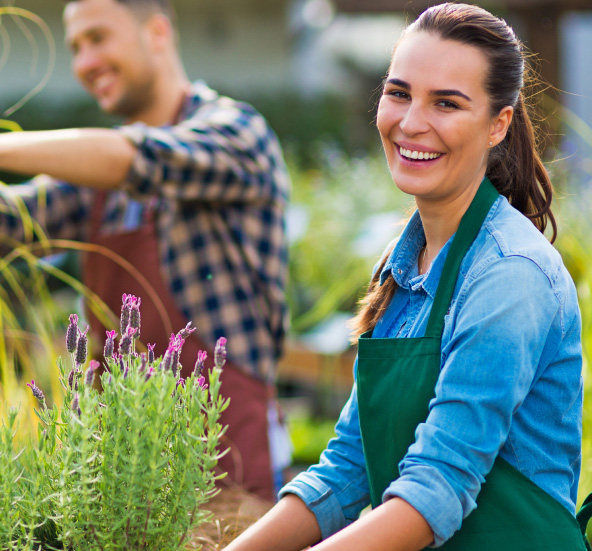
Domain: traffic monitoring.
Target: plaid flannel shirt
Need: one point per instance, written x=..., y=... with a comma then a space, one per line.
x=221, y=187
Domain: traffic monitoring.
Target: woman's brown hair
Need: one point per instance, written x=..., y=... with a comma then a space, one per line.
x=514, y=166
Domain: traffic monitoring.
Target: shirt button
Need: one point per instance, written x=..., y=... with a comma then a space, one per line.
x=400, y=271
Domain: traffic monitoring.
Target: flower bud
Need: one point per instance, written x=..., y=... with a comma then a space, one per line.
x=125, y=344
x=143, y=362
x=125, y=312
x=134, y=320
x=76, y=405
x=200, y=363
x=37, y=392
x=72, y=334
x=109, y=344
x=81, y=347
x=90, y=372
x=151, y=353
x=220, y=352
x=185, y=332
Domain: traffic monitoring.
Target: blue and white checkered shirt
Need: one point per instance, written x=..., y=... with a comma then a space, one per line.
x=221, y=187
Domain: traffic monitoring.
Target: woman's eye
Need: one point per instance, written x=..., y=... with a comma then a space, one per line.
x=447, y=104
x=397, y=94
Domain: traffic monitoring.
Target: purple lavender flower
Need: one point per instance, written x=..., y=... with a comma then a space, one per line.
x=71, y=379
x=220, y=352
x=134, y=320
x=149, y=373
x=126, y=309
x=81, y=347
x=186, y=331
x=167, y=360
x=72, y=334
x=125, y=344
x=37, y=392
x=201, y=381
x=200, y=363
x=151, y=353
x=90, y=372
x=180, y=382
x=76, y=405
x=109, y=344
x=143, y=362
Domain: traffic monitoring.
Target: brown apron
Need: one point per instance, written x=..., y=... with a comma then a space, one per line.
x=248, y=462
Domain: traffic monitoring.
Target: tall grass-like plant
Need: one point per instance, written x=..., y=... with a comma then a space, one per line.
x=128, y=467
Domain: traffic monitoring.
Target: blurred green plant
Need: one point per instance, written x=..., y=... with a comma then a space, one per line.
x=342, y=215
x=129, y=467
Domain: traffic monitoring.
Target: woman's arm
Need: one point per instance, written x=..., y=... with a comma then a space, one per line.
x=290, y=526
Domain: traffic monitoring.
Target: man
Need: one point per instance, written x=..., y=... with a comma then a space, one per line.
x=182, y=206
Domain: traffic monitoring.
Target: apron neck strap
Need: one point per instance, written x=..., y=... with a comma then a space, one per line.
x=466, y=233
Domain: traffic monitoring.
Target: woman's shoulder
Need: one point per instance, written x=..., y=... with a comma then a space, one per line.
x=508, y=234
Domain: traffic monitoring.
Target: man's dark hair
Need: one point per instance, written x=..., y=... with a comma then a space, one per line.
x=145, y=8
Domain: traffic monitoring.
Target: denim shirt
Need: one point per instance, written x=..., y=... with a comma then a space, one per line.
x=510, y=381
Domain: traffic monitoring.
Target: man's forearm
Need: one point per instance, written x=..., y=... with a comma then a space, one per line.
x=93, y=157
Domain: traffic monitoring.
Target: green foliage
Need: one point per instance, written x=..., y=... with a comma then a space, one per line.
x=337, y=208
x=129, y=467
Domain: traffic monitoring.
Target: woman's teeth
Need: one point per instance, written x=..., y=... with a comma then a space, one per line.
x=418, y=155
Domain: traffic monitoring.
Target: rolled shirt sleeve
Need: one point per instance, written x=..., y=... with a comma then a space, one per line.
x=336, y=490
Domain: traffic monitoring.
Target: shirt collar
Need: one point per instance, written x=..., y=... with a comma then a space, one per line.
x=402, y=262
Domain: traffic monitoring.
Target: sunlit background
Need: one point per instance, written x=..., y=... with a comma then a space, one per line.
x=314, y=69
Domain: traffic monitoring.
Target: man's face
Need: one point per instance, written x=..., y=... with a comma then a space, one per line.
x=111, y=55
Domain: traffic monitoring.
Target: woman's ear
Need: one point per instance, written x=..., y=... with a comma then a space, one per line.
x=500, y=124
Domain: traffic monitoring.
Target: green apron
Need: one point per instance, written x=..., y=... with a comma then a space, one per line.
x=396, y=380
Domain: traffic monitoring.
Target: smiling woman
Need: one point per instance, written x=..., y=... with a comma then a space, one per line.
x=464, y=424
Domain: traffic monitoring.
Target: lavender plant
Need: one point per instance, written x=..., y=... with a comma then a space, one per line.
x=128, y=467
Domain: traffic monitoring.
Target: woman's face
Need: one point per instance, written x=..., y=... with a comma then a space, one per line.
x=434, y=118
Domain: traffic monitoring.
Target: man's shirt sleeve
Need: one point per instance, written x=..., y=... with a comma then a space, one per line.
x=225, y=152
x=43, y=208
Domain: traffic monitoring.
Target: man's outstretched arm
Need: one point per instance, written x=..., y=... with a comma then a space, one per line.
x=93, y=157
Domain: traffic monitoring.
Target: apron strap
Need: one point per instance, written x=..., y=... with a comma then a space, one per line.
x=583, y=517
x=466, y=233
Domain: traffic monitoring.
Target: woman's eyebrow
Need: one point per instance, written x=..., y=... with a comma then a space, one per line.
x=407, y=86
x=399, y=82
x=450, y=93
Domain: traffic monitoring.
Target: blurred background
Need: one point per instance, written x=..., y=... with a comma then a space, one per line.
x=314, y=68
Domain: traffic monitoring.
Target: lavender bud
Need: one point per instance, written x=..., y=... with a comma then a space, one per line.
x=76, y=405
x=71, y=379
x=143, y=362
x=220, y=352
x=125, y=343
x=185, y=332
x=72, y=334
x=151, y=353
x=199, y=364
x=125, y=312
x=180, y=382
x=149, y=373
x=37, y=392
x=90, y=372
x=109, y=344
x=135, y=317
x=201, y=381
x=81, y=348
x=175, y=359
x=167, y=361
